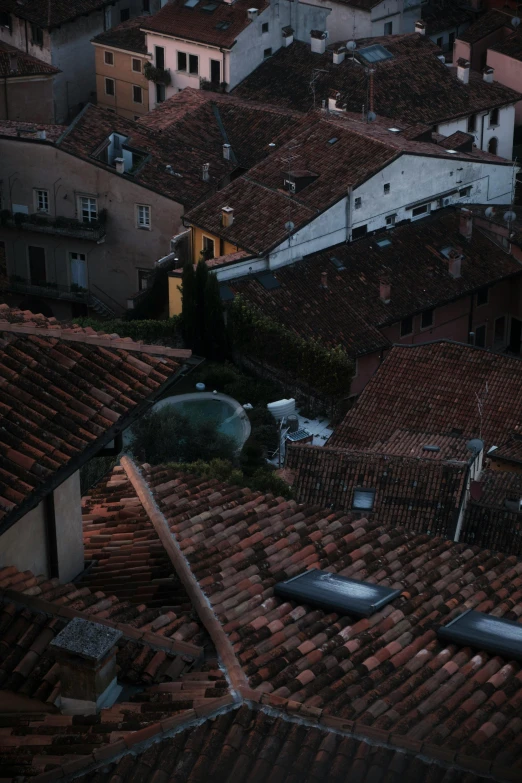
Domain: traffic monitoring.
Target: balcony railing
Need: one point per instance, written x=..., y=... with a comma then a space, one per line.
x=62, y=226
x=72, y=293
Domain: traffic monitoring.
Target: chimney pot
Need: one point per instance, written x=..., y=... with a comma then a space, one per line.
x=205, y=173
x=226, y=151
x=120, y=165
x=42, y=134
x=455, y=265
x=227, y=216
x=324, y=279
x=252, y=14
x=288, y=36
x=420, y=27
x=488, y=74
x=86, y=653
x=385, y=291
x=318, y=41
x=466, y=224
x=339, y=55
x=463, y=70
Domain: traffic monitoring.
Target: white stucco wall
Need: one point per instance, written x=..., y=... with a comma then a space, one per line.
x=348, y=22
x=68, y=520
x=484, y=131
x=24, y=544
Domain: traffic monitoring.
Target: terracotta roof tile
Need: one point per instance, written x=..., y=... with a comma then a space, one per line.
x=126, y=35
x=24, y=64
x=486, y=24
x=51, y=13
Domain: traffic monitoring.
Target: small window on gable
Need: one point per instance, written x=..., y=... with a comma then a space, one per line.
x=136, y=65
x=267, y=53
x=42, y=200
x=407, y=326
x=390, y=221
x=36, y=35
x=386, y=188
x=124, y=14
x=388, y=28
x=440, y=42
x=427, y=319
x=472, y=123
x=423, y=209
x=363, y=499
x=264, y=27
x=482, y=296
x=193, y=64
x=493, y=117
x=360, y=231
x=143, y=216
x=109, y=58
x=5, y=20
x=480, y=336
x=358, y=202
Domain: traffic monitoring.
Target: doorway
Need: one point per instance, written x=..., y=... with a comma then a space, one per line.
x=515, y=335
x=78, y=270
x=37, y=269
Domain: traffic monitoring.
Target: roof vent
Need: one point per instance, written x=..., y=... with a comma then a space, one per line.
x=334, y=593
x=13, y=62
x=86, y=653
x=339, y=55
x=205, y=172
x=227, y=217
x=466, y=224
x=226, y=151
x=120, y=165
x=324, y=280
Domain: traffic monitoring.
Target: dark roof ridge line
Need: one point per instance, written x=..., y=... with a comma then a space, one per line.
x=199, y=600
x=357, y=453
x=454, y=342
x=129, y=632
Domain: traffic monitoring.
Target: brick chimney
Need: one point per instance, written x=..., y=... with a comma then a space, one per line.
x=324, y=280
x=86, y=653
x=120, y=165
x=454, y=263
x=318, y=41
x=466, y=224
x=463, y=70
x=288, y=36
x=227, y=217
x=488, y=74
x=385, y=291
x=420, y=27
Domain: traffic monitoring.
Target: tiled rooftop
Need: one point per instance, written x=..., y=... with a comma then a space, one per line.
x=413, y=85
x=126, y=35
x=62, y=392
x=15, y=63
x=28, y=130
x=511, y=449
x=439, y=17
x=433, y=398
x=350, y=312
x=419, y=493
x=51, y=13
x=489, y=23
x=196, y=23
x=511, y=45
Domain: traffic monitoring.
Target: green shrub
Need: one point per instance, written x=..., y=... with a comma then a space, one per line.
x=166, y=435
x=252, y=457
x=145, y=331
x=267, y=435
x=263, y=479
x=218, y=376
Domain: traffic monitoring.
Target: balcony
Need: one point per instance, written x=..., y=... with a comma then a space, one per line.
x=61, y=226
x=72, y=293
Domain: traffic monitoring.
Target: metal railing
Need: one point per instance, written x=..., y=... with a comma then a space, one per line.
x=49, y=290
x=67, y=227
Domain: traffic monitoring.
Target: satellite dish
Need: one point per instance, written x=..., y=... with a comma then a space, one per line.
x=475, y=445
x=371, y=116
x=289, y=226
x=351, y=45
x=509, y=216
x=489, y=212
x=515, y=21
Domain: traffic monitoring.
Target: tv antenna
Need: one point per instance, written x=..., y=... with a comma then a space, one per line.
x=315, y=76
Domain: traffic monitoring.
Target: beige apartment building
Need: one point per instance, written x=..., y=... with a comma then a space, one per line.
x=120, y=58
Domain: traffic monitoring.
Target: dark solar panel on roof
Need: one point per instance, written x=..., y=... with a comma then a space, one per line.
x=268, y=281
x=332, y=592
x=484, y=632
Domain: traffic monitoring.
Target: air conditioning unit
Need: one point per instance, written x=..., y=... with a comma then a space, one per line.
x=446, y=201
x=290, y=185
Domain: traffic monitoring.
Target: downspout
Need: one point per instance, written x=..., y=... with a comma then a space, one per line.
x=223, y=74
x=50, y=535
x=478, y=458
x=349, y=192
x=5, y=99
x=470, y=319
x=482, y=133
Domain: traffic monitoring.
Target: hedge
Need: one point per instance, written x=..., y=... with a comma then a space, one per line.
x=146, y=331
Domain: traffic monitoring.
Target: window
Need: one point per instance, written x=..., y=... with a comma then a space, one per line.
x=451, y=40
x=500, y=330
x=208, y=248
x=482, y=296
x=136, y=65
x=143, y=279
x=420, y=211
x=465, y=192
x=42, y=200
x=36, y=35
x=215, y=71
x=407, y=326
x=182, y=61
x=440, y=42
x=388, y=28
x=267, y=53
x=264, y=27
x=124, y=14
x=386, y=188
x=480, y=336
x=159, y=56
x=427, y=319
x=472, y=123
x=37, y=265
x=108, y=58
x=493, y=118
x=390, y=221
x=193, y=64
x=493, y=146
x=358, y=202
x=160, y=93
x=363, y=499
x=360, y=231
x=5, y=20
x=88, y=209
x=143, y=216
x=137, y=95
x=109, y=87
x=146, y=6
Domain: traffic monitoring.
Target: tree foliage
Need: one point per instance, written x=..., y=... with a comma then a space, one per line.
x=263, y=479
x=202, y=312
x=147, y=330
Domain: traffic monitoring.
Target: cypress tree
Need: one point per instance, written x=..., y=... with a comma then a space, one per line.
x=201, y=278
x=215, y=335
x=188, y=304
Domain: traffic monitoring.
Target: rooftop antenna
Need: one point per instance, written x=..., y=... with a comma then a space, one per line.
x=315, y=76
x=481, y=399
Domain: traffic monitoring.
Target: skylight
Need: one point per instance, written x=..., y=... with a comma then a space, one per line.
x=335, y=593
x=375, y=53
x=268, y=281
x=337, y=264
x=485, y=632
x=209, y=7
x=394, y=130
x=428, y=447
x=333, y=140
x=222, y=25
x=383, y=242
x=191, y=3
x=363, y=499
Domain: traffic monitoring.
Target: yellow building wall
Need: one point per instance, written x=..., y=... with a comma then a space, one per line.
x=174, y=295
x=197, y=244
x=124, y=80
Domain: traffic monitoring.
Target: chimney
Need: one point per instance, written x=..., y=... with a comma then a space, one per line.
x=42, y=134
x=86, y=654
x=463, y=70
x=226, y=151
x=487, y=74
x=205, y=172
x=252, y=14
x=385, y=291
x=288, y=36
x=466, y=224
x=454, y=263
x=324, y=280
x=13, y=62
x=420, y=27
x=318, y=41
x=227, y=217
x=339, y=55
x=120, y=165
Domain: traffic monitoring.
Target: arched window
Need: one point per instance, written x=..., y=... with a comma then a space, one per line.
x=493, y=145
